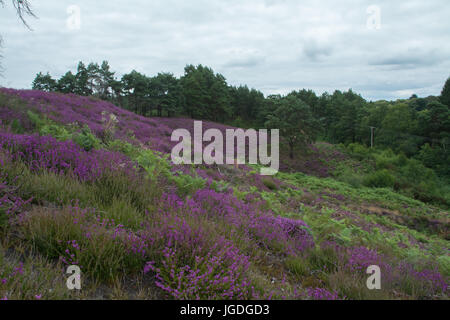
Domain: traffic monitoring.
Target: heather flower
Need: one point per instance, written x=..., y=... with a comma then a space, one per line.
x=321, y=294
x=47, y=153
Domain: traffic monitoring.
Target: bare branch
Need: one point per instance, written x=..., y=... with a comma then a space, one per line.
x=23, y=9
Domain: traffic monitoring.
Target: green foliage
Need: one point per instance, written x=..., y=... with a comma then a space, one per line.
x=206, y=94
x=47, y=127
x=83, y=137
x=44, y=82
x=415, y=171
x=294, y=119
x=86, y=139
x=269, y=183
x=35, y=119
x=445, y=94
x=17, y=127
x=153, y=164
x=350, y=176
x=123, y=147
x=444, y=264
x=187, y=184
x=56, y=131
x=157, y=165
x=67, y=83
x=379, y=179
x=298, y=266
x=358, y=150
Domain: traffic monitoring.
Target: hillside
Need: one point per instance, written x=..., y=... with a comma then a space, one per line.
x=84, y=182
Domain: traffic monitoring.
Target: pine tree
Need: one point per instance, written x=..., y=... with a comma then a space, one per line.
x=445, y=95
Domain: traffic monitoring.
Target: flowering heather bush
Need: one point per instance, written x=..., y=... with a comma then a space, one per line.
x=321, y=294
x=9, y=276
x=217, y=273
x=12, y=116
x=360, y=258
x=190, y=262
x=282, y=234
x=69, y=108
x=423, y=282
x=46, y=153
x=10, y=203
x=356, y=260
x=193, y=261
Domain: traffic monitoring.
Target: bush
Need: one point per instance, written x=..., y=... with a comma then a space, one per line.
x=359, y=151
x=379, y=179
x=16, y=127
x=123, y=147
x=56, y=131
x=76, y=236
x=386, y=160
x=86, y=139
x=269, y=184
x=347, y=175
x=415, y=171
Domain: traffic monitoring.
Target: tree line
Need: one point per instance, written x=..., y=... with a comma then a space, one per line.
x=417, y=127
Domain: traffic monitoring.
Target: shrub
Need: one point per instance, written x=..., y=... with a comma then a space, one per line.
x=195, y=262
x=47, y=153
x=56, y=131
x=415, y=171
x=359, y=151
x=16, y=126
x=351, y=177
x=385, y=159
x=269, y=184
x=86, y=139
x=102, y=249
x=379, y=179
x=123, y=147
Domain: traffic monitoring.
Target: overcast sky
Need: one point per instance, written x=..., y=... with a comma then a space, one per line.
x=272, y=45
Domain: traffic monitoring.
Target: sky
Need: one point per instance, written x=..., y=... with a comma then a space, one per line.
x=382, y=49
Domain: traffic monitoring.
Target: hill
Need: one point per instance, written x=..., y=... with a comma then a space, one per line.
x=86, y=183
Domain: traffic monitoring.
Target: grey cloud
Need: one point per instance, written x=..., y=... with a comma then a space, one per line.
x=410, y=59
x=314, y=51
